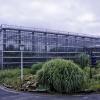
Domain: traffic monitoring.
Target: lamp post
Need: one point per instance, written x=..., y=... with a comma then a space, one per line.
x=2, y=60
x=21, y=49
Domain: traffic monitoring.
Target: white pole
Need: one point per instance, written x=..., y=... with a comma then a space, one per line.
x=21, y=65
x=2, y=59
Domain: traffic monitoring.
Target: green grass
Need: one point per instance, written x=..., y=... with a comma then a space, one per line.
x=11, y=77
x=12, y=73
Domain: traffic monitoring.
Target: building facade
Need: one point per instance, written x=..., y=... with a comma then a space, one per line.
x=40, y=45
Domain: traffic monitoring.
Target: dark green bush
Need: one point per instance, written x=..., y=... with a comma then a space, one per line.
x=62, y=76
x=36, y=67
x=84, y=60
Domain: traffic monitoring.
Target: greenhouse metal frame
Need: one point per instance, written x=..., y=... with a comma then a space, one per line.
x=41, y=45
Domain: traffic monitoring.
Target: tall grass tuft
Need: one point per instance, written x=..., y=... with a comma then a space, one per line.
x=62, y=76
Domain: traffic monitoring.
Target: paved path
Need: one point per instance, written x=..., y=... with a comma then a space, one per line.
x=9, y=95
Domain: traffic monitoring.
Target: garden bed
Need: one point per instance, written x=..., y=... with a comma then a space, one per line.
x=53, y=70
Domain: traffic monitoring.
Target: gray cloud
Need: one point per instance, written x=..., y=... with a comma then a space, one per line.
x=67, y=15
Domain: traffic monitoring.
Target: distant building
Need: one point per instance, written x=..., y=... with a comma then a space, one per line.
x=40, y=45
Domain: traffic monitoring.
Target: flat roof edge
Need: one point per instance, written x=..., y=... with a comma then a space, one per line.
x=15, y=27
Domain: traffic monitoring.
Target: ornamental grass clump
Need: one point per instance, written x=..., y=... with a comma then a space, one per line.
x=63, y=76
x=36, y=67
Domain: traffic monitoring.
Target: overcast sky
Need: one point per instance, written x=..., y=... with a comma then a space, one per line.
x=66, y=15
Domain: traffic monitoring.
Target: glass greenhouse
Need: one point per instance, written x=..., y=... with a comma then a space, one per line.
x=41, y=45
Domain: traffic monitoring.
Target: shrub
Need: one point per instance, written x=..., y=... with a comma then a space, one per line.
x=61, y=75
x=98, y=64
x=97, y=77
x=87, y=70
x=84, y=60
x=93, y=84
x=36, y=67
x=95, y=87
x=97, y=71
